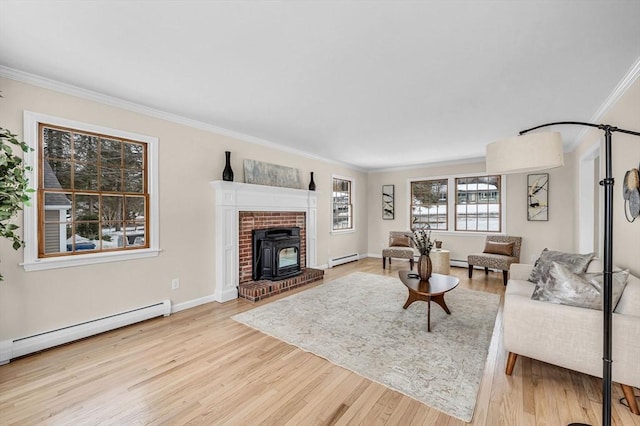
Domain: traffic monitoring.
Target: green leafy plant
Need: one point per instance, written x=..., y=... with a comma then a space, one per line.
x=14, y=189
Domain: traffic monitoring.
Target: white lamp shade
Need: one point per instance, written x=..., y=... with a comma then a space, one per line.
x=527, y=153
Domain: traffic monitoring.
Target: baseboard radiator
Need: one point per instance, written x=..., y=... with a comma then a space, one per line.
x=14, y=348
x=343, y=259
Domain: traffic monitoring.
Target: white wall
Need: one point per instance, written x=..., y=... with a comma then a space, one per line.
x=625, y=149
x=555, y=234
x=189, y=158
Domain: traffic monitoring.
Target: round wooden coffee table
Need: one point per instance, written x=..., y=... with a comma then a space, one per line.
x=433, y=289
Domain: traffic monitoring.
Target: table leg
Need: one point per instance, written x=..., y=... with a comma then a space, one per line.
x=412, y=298
x=429, y=314
x=440, y=301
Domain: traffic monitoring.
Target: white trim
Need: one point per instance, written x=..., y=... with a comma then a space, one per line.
x=230, y=199
x=451, y=215
x=451, y=162
x=627, y=81
x=191, y=303
x=587, y=199
x=31, y=260
x=25, y=345
x=353, y=205
x=69, y=89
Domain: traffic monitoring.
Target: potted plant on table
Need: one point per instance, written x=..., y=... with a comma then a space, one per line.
x=421, y=240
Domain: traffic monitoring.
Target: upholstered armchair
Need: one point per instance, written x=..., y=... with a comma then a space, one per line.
x=500, y=251
x=399, y=247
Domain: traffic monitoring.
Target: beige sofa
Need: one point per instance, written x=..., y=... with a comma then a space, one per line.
x=571, y=337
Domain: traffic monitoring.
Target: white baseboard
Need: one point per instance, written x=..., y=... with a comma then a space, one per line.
x=192, y=303
x=29, y=344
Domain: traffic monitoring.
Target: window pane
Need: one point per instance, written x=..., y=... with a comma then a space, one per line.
x=135, y=207
x=111, y=152
x=85, y=148
x=85, y=177
x=133, y=181
x=134, y=235
x=56, y=144
x=133, y=156
x=111, y=179
x=58, y=202
x=57, y=175
x=112, y=208
x=86, y=207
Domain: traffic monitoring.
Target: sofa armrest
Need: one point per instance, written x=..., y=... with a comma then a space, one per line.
x=520, y=271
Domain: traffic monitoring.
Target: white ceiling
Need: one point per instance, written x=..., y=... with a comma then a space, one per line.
x=374, y=84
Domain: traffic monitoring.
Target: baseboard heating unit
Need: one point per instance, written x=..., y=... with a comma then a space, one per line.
x=14, y=348
x=343, y=259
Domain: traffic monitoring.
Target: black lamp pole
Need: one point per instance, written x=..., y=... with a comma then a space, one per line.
x=607, y=309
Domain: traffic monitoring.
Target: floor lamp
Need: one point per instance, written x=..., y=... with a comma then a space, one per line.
x=539, y=151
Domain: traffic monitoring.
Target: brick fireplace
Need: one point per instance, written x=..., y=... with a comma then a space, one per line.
x=265, y=220
x=238, y=208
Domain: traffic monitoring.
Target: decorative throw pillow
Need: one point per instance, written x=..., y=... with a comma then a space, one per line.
x=581, y=290
x=576, y=263
x=400, y=241
x=498, y=248
x=619, y=282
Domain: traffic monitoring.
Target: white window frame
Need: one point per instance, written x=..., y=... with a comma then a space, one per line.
x=353, y=216
x=31, y=260
x=451, y=204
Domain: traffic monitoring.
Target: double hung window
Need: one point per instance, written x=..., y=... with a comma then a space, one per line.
x=470, y=203
x=96, y=195
x=342, y=204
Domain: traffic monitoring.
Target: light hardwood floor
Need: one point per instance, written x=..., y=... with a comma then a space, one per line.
x=200, y=367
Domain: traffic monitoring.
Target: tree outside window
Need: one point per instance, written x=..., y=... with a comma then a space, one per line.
x=93, y=192
x=429, y=204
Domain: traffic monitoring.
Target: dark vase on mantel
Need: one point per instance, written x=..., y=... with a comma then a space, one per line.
x=227, y=173
x=312, y=184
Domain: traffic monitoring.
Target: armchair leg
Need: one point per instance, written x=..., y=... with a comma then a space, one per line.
x=384, y=262
x=511, y=362
x=470, y=271
x=486, y=270
x=631, y=399
x=505, y=277
x=411, y=261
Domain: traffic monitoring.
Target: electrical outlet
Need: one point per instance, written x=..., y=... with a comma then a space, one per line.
x=175, y=284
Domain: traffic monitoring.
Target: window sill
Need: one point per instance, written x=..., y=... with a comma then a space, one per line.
x=87, y=259
x=342, y=231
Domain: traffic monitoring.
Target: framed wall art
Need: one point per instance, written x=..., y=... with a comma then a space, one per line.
x=387, y=202
x=538, y=197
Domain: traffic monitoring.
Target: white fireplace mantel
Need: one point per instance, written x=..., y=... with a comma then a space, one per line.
x=232, y=198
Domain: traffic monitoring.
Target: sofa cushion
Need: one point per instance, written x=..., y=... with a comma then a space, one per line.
x=581, y=290
x=576, y=263
x=498, y=248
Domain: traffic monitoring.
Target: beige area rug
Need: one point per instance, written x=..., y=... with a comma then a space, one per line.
x=357, y=322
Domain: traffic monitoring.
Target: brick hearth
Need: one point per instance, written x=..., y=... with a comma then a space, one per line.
x=258, y=290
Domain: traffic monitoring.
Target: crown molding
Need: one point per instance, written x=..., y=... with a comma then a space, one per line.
x=627, y=81
x=113, y=101
x=451, y=162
